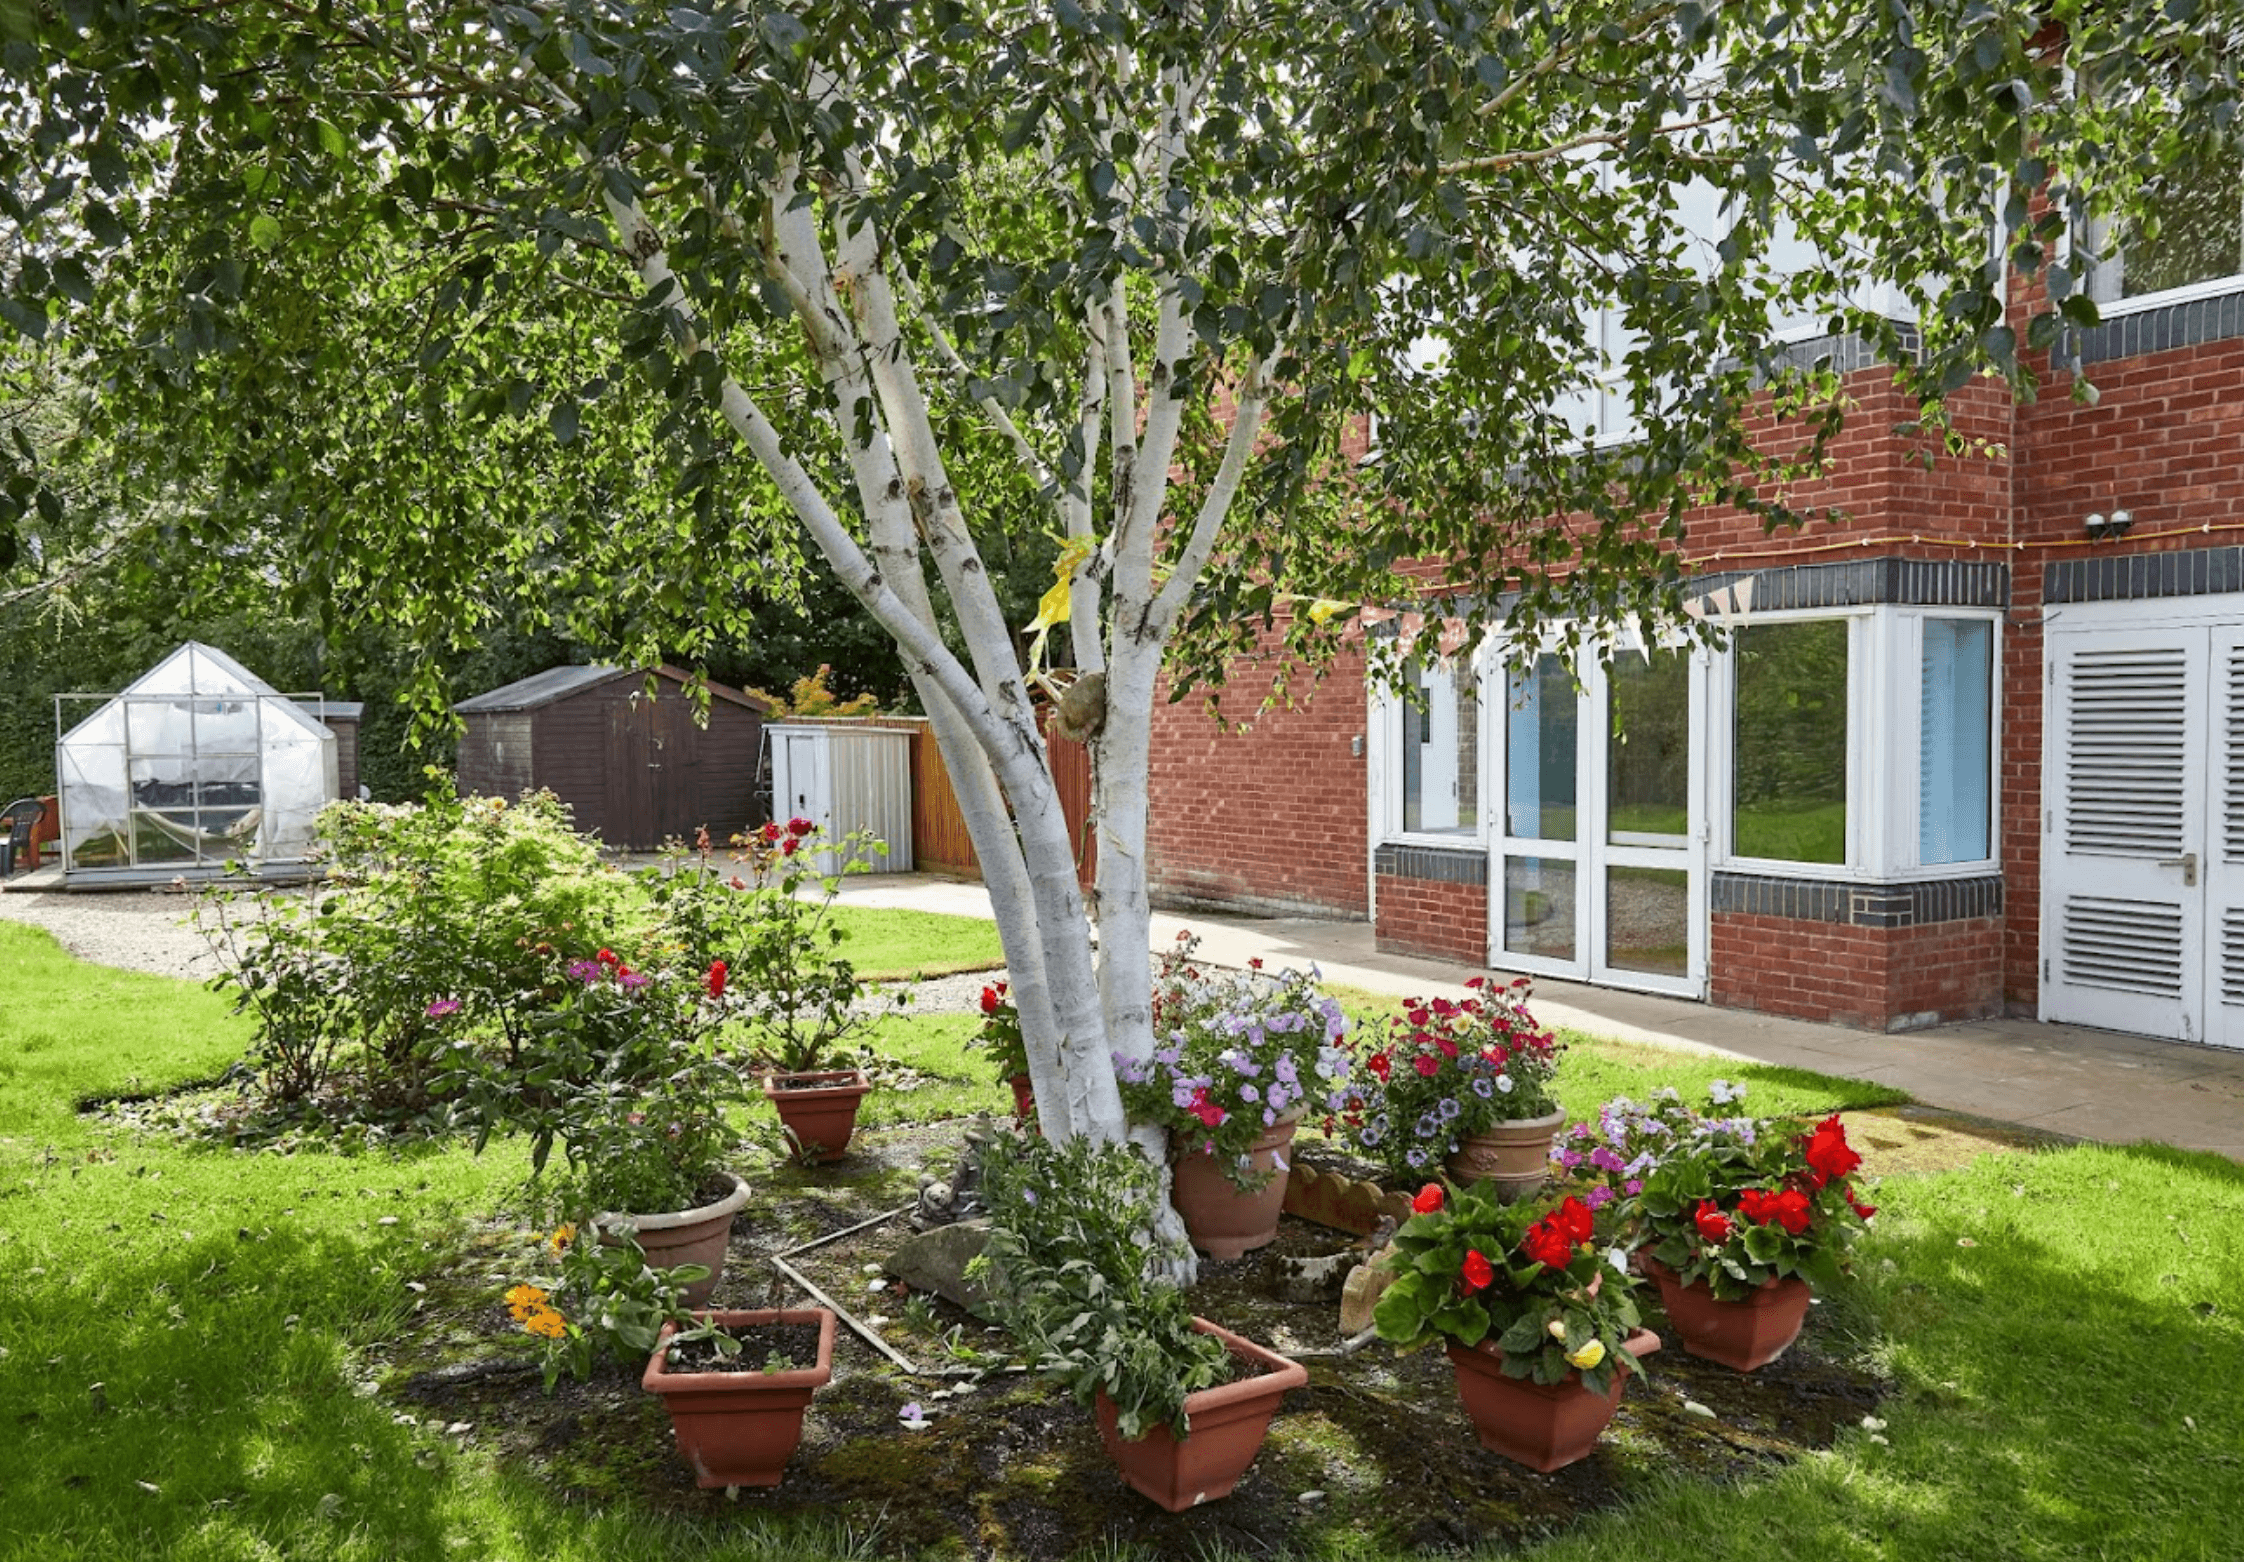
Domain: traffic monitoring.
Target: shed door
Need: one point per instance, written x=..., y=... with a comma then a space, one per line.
x=633, y=764
x=2124, y=895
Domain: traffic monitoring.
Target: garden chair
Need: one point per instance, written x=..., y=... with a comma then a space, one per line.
x=16, y=822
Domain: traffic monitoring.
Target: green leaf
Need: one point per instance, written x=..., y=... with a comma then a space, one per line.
x=264, y=230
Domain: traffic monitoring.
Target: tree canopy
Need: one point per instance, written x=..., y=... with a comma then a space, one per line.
x=1303, y=302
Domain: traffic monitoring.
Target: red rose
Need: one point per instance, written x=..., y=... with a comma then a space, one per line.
x=787, y=847
x=990, y=1000
x=1547, y=1243
x=1791, y=1210
x=770, y=832
x=1828, y=1150
x=1712, y=1223
x=1479, y=1273
x=799, y=827
x=1428, y=1200
x=716, y=978
x=1425, y=1065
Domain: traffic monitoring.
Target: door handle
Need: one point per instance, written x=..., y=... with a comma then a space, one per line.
x=2187, y=862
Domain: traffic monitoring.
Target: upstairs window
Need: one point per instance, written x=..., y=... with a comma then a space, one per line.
x=2193, y=238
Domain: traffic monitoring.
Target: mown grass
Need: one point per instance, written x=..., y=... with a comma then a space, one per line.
x=894, y=945
x=2064, y=1329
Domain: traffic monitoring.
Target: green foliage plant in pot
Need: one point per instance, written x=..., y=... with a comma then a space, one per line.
x=1464, y=1083
x=1741, y=1218
x=1182, y=1403
x=607, y=1302
x=1239, y=1057
x=795, y=998
x=1534, y=1307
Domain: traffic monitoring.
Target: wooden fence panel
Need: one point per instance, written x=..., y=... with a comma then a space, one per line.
x=939, y=835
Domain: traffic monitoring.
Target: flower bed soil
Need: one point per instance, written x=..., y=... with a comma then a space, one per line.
x=1375, y=1448
x=771, y=1348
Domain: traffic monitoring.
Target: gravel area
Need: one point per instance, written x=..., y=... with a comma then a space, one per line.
x=137, y=929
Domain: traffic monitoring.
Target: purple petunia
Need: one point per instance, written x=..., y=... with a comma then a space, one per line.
x=442, y=1007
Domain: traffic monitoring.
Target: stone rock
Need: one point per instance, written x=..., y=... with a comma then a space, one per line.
x=936, y=1261
x=1360, y=1293
x=1310, y=1279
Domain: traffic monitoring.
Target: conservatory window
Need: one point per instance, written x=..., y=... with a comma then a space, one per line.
x=1789, y=771
x=2194, y=240
x=1440, y=743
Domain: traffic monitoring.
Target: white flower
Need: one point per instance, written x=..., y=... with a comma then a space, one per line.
x=1504, y=1083
x=1721, y=1092
x=1618, y=1258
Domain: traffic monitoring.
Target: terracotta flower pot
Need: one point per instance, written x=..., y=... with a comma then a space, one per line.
x=741, y=1428
x=818, y=1110
x=693, y=1236
x=1744, y=1334
x=1222, y=1221
x=1227, y=1424
x=1544, y=1426
x=1515, y=1156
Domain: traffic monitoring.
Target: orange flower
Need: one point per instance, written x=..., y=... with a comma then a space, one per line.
x=524, y=1300
x=545, y=1323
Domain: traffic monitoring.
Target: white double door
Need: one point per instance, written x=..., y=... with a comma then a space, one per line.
x=2142, y=906
x=1597, y=834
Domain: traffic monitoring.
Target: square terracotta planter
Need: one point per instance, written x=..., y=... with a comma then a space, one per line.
x=1228, y=1423
x=818, y=1110
x=741, y=1428
x=1545, y=1426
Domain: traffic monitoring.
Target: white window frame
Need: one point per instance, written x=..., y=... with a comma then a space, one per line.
x=1384, y=772
x=1904, y=636
x=2081, y=250
x=1885, y=651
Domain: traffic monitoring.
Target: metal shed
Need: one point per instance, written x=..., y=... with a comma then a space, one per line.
x=845, y=776
x=634, y=770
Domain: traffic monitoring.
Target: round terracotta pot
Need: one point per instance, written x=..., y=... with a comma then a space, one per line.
x=1226, y=1425
x=740, y=1428
x=818, y=1110
x=1744, y=1334
x=1515, y=1156
x=693, y=1236
x=1222, y=1221
x=1544, y=1426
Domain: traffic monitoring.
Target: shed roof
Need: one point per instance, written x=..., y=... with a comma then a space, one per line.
x=558, y=683
x=335, y=710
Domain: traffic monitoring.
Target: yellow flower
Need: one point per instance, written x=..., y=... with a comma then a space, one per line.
x=562, y=1237
x=1588, y=1356
x=1556, y=1328
x=524, y=1300
x=545, y=1323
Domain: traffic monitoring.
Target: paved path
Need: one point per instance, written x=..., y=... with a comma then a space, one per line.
x=2065, y=1079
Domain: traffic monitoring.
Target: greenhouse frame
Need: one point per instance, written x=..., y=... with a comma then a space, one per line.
x=197, y=764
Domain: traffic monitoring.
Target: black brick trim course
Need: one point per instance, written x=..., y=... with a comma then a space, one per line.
x=1441, y=864
x=2135, y=577
x=1855, y=904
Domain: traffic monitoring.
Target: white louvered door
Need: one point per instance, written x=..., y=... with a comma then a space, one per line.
x=2224, y=847
x=2123, y=939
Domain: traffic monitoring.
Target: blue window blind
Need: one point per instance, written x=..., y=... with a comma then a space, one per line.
x=1956, y=740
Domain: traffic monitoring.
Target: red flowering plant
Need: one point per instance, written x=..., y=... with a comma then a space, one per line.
x=1445, y=1070
x=1541, y=1281
x=1736, y=1201
x=1000, y=1034
x=1234, y=1052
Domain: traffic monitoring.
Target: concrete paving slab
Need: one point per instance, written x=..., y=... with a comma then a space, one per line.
x=2065, y=1079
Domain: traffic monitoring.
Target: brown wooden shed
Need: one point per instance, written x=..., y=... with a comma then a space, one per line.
x=636, y=771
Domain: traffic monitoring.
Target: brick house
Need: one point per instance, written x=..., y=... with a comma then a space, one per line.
x=1978, y=749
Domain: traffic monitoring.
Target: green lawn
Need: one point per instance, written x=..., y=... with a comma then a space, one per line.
x=2065, y=1330
x=893, y=946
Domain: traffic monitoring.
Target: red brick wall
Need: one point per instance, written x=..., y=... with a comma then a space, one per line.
x=1269, y=819
x=1430, y=917
x=1874, y=978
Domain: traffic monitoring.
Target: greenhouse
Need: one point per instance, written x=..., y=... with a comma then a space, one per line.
x=200, y=762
